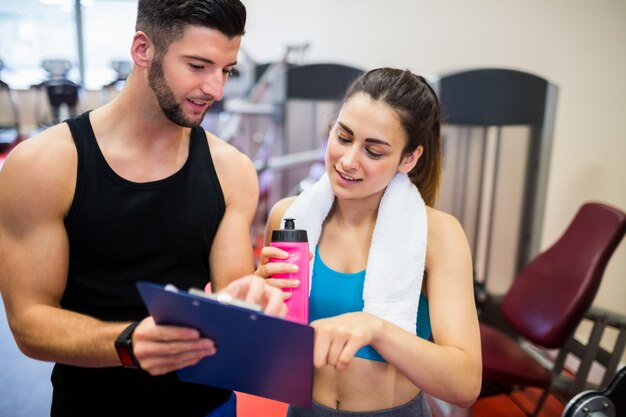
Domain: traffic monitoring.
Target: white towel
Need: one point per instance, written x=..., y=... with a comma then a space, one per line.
x=395, y=265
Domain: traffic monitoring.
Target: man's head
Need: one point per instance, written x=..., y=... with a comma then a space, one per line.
x=195, y=45
x=165, y=21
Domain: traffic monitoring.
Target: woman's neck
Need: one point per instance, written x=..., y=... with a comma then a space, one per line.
x=354, y=213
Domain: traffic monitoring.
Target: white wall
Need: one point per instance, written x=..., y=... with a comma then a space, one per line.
x=579, y=45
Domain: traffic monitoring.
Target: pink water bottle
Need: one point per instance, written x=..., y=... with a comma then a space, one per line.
x=295, y=242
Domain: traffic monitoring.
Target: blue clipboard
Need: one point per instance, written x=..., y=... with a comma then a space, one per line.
x=256, y=353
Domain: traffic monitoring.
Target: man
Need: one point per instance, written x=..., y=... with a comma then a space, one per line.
x=133, y=190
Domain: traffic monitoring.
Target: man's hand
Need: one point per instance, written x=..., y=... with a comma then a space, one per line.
x=162, y=349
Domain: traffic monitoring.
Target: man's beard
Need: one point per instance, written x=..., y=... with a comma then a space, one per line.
x=165, y=96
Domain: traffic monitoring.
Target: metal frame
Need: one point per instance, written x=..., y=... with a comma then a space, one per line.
x=490, y=99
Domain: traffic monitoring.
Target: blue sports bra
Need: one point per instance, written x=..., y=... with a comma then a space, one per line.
x=334, y=293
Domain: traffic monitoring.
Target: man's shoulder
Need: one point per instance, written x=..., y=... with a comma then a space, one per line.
x=49, y=150
x=226, y=155
x=235, y=170
x=218, y=145
x=42, y=170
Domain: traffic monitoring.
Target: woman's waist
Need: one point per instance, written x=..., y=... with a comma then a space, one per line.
x=365, y=385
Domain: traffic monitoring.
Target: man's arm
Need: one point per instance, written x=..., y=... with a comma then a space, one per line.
x=231, y=253
x=37, y=186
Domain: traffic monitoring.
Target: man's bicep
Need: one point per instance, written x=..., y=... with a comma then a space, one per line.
x=231, y=254
x=33, y=241
x=35, y=259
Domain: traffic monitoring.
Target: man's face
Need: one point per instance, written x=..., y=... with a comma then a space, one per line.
x=191, y=74
x=165, y=97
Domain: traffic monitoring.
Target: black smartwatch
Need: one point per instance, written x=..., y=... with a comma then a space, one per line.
x=124, y=347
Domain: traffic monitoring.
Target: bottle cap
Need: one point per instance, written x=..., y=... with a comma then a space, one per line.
x=289, y=233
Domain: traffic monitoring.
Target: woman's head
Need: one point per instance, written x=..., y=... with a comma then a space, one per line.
x=366, y=149
x=165, y=21
x=417, y=108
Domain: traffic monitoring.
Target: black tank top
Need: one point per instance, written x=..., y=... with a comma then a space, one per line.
x=121, y=232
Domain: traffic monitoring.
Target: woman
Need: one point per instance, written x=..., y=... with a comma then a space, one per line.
x=378, y=243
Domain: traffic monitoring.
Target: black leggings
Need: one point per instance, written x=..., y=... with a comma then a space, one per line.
x=417, y=407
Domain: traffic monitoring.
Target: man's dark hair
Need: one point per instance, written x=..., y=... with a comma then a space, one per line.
x=164, y=21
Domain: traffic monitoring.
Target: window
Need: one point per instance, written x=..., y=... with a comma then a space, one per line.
x=32, y=31
x=108, y=28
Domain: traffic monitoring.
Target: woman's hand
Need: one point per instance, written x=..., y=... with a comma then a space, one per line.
x=267, y=269
x=338, y=338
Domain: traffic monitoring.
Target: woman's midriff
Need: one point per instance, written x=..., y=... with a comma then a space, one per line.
x=365, y=386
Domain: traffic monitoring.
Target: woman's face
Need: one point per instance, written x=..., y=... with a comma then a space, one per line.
x=364, y=149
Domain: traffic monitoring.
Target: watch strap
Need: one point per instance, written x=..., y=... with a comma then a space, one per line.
x=124, y=347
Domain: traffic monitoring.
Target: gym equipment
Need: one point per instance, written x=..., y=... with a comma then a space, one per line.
x=9, y=126
x=610, y=402
x=547, y=301
x=62, y=93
